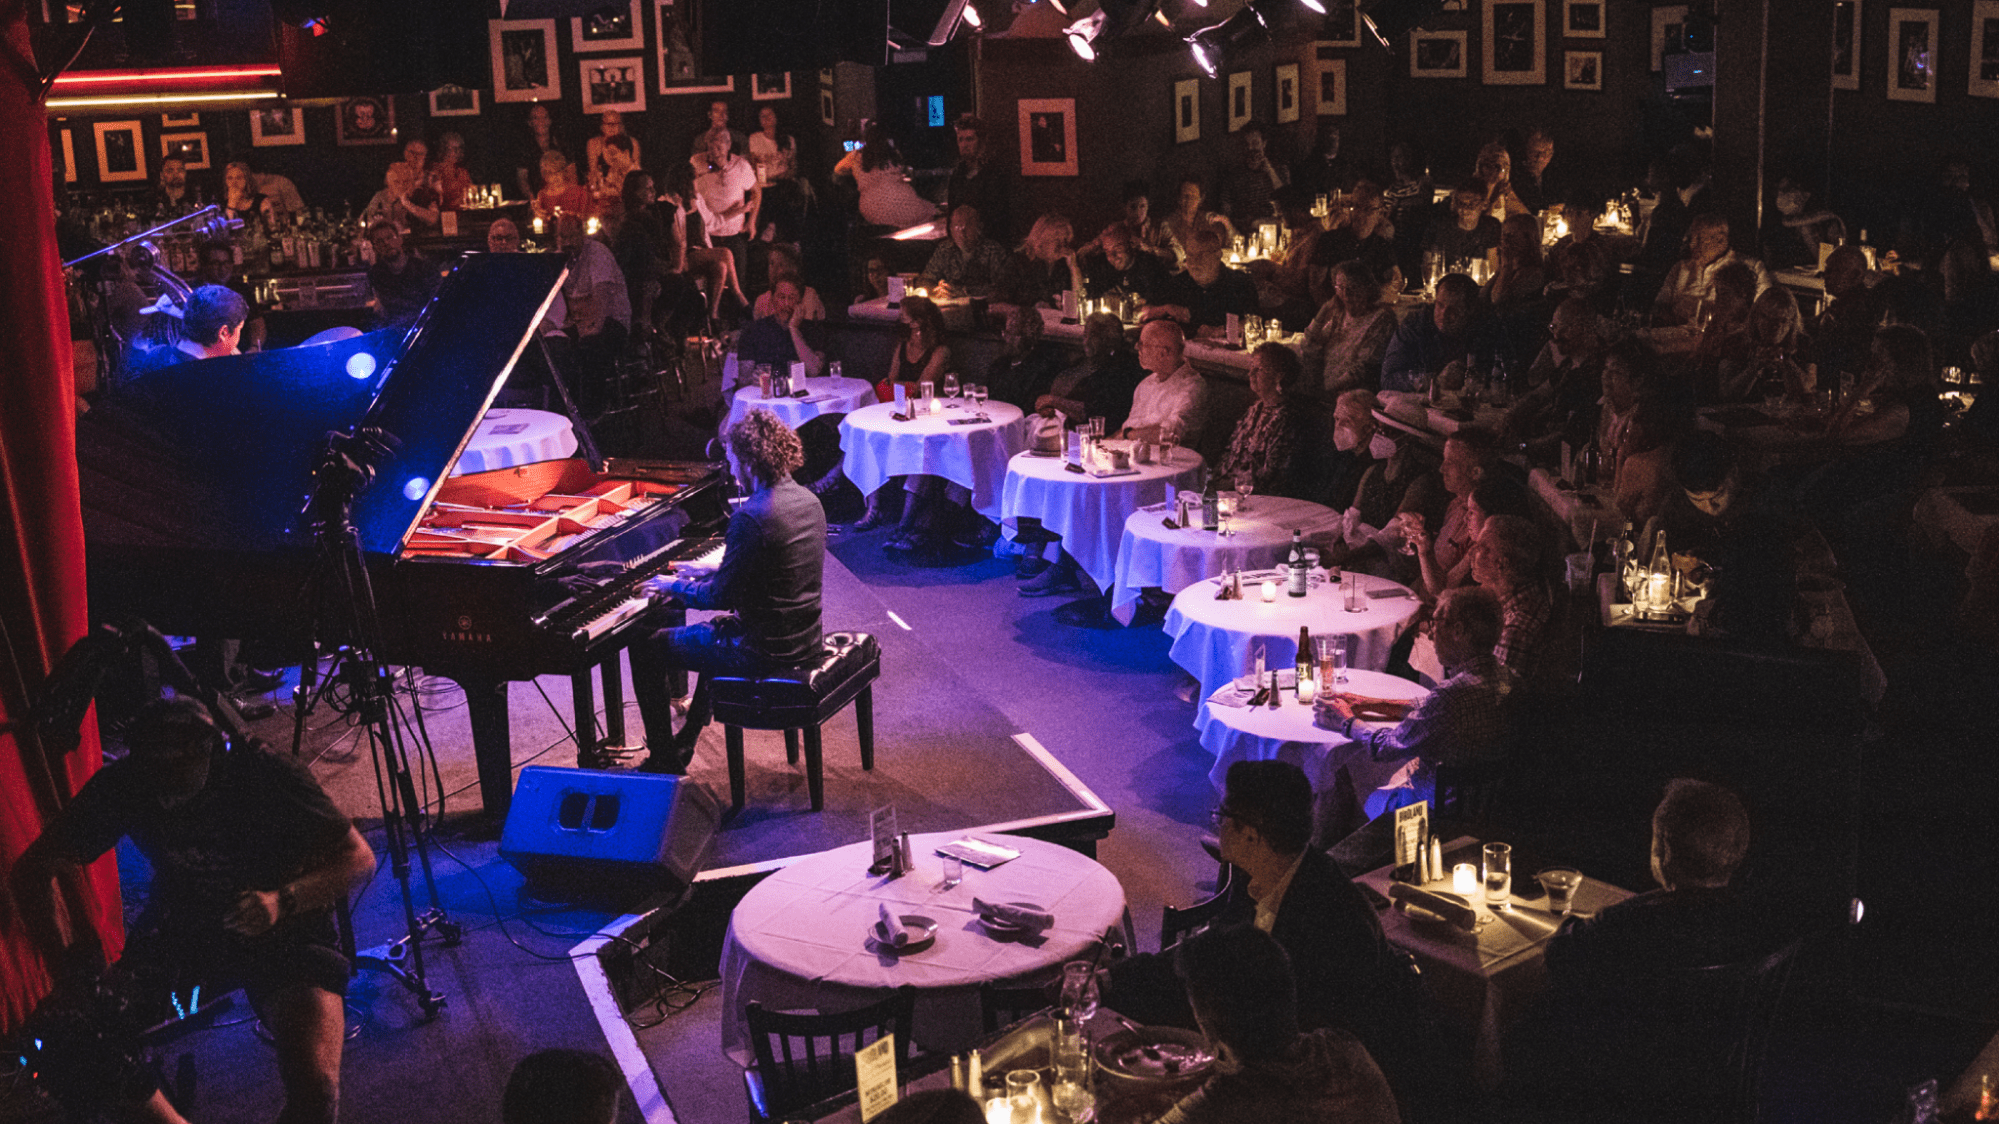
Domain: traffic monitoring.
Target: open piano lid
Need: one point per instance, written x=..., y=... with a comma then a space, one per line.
x=454, y=361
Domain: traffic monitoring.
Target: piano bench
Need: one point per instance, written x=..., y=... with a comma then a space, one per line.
x=801, y=699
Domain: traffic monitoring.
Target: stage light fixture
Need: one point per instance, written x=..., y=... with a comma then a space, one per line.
x=1385, y=19
x=1212, y=45
x=1113, y=19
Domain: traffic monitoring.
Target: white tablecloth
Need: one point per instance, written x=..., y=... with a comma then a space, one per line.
x=509, y=437
x=1286, y=733
x=877, y=448
x=1151, y=554
x=798, y=940
x=1089, y=512
x=825, y=395
x=1212, y=639
x=1581, y=510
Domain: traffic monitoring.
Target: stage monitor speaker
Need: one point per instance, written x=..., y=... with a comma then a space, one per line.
x=593, y=834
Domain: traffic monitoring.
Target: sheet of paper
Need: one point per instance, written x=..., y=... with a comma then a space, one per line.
x=874, y=1070
x=1412, y=831
x=881, y=829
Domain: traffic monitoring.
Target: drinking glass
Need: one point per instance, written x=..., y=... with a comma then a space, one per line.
x=950, y=385
x=1356, y=597
x=1168, y=438
x=1498, y=875
x=1331, y=651
x=1561, y=883
x=1259, y=666
x=954, y=871
x=1079, y=990
x=1023, y=1099
x=1245, y=486
x=1097, y=427
x=1072, y=1096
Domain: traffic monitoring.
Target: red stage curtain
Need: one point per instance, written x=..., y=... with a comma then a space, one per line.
x=42, y=609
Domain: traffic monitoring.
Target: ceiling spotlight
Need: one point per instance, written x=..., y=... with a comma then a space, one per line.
x=1083, y=35
x=1391, y=18
x=1113, y=19
x=1316, y=5
x=972, y=18
x=1213, y=44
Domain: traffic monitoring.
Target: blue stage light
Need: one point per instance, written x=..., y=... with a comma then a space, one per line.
x=360, y=365
x=415, y=488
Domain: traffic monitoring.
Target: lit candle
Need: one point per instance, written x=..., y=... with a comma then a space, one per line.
x=1464, y=879
x=1270, y=591
x=537, y=224
x=1306, y=690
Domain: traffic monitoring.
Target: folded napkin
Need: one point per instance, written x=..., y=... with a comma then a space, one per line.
x=1008, y=914
x=1449, y=907
x=1233, y=696
x=890, y=930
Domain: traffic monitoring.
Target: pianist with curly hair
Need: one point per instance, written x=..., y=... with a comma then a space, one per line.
x=769, y=581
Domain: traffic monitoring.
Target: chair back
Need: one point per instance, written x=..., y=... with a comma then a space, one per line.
x=802, y=1059
x=1468, y=792
x=1177, y=922
x=1004, y=1005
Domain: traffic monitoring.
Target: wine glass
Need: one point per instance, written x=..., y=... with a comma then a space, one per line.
x=1245, y=486
x=1169, y=436
x=950, y=386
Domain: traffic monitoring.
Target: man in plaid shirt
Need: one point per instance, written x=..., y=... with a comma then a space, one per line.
x=1507, y=560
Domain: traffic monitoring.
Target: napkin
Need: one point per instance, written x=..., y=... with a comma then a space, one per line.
x=1035, y=920
x=1232, y=696
x=890, y=929
x=1450, y=908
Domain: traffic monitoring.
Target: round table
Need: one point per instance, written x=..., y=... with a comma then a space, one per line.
x=1212, y=639
x=1151, y=554
x=798, y=940
x=825, y=395
x=509, y=436
x=1089, y=511
x=878, y=448
x=1287, y=733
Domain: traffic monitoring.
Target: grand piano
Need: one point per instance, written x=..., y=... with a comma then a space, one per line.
x=195, y=480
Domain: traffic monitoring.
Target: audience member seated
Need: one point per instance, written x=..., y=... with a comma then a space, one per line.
x=1431, y=345
x=920, y=356
x=934, y=509
x=241, y=199
x=1536, y=188
x=1679, y=181
x=1845, y=329
x=597, y=161
x=1242, y=988
x=1771, y=355
x=402, y=282
x=1691, y=280
x=1463, y=721
x=1044, y=266
x=1520, y=277
x=608, y=191
x=1401, y=477
x=530, y=146
x=416, y=161
x=559, y=195
x=1248, y=188
x=1511, y=560
x=1284, y=287
x=1148, y=235
x=1408, y=194
x=1354, y=428
x=1172, y=402
x=887, y=200
x=283, y=194
x=1795, y=230
x=1741, y=545
x=1206, y=293
x=1445, y=551
x=718, y=122
x=1326, y=170
x=1970, y=300
x=1345, y=343
x=1190, y=217
x=503, y=236
x=599, y=309
x=1726, y=312
x=784, y=261
x=1630, y=369
x=171, y=197
x=1101, y=385
x=450, y=180
x=1982, y=420
x=775, y=157
x=1362, y=232
x=1583, y=262
x=1644, y=483
x=713, y=266
x=1264, y=453
x=562, y=1084
x=1116, y=263
x=1566, y=382
x=1493, y=174
x=398, y=203
x=978, y=180
x=967, y=263
x=727, y=195
x=1466, y=235
x=782, y=337
x=1025, y=367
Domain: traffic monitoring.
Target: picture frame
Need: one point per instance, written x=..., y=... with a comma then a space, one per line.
x=1284, y=83
x=68, y=156
x=180, y=121
x=277, y=125
x=1912, y=54
x=1048, y=136
x=1984, y=81
x=1582, y=19
x=1241, y=101
x=612, y=83
x=1329, y=87
x=1669, y=21
x=770, y=87
x=1846, y=44
x=365, y=121
x=825, y=105
x=524, y=62
x=1437, y=54
x=1582, y=70
x=1341, y=25
x=121, y=152
x=611, y=28
x=1186, y=110
x=192, y=148
x=677, y=24
x=454, y=101
x=1515, y=43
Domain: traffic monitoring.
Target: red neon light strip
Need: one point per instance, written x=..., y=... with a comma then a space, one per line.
x=93, y=77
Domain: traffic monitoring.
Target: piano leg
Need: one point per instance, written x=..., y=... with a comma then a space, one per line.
x=584, y=700
x=492, y=743
x=614, y=700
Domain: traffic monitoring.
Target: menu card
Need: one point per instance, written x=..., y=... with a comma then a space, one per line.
x=874, y=1070
x=979, y=853
x=1412, y=835
x=881, y=829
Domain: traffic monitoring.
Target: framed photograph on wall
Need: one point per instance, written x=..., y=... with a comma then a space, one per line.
x=770, y=87
x=524, y=60
x=612, y=84
x=277, y=126
x=1846, y=44
x=1186, y=110
x=365, y=121
x=191, y=148
x=1437, y=54
x=679, y=30
x=1329, y=88
x=1048, y=136
x=1985, y=49
x=1516, y=43
x=180, y=121
x=613, y=27
x=1582, y=70
x=1669, y=25
x=825, y=105
x=1286, y=85
x=1239, y=100
x=1582, y=19
x=1912, y=54
x=121, y=152
x=454, y=101
x=1341, y=27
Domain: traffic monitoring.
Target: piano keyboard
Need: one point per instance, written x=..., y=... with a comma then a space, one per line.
x=710, y=559
x=634, y=602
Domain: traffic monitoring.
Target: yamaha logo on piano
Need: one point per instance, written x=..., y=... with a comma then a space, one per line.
x=464, y=633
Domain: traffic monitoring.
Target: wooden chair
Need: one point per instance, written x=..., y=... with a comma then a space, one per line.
x=1002, y=1005
x=1177, y=922
x=802, y=1059
x=801, y=700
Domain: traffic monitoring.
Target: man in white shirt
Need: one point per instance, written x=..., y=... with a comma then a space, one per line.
x=727, y=195
x=1174, y=398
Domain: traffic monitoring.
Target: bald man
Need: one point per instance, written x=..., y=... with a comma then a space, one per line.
x=1174, y=397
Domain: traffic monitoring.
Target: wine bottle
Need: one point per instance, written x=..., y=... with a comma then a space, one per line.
x=1211, y=506
x=1304, y=661
x=1296, y=562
